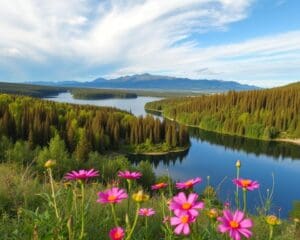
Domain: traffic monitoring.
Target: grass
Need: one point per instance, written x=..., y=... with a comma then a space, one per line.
x=26, y=207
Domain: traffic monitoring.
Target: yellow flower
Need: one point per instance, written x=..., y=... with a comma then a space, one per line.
x=212, y=213
x=238, y=164
x=273, y=220
x=296, y=220
x=140, y=196
x=50, y=163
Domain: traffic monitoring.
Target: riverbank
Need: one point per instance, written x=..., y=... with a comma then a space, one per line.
x=295, y=141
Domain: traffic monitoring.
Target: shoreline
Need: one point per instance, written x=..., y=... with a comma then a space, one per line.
x=295, y=141
x=183, y=149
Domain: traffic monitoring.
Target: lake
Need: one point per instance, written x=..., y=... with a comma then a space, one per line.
x=214, y=155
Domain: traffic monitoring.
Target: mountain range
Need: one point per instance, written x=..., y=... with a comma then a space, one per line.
x=154, y=82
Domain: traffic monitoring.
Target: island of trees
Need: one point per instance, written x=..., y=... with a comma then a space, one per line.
x=97, y=94
x=86, y=128
x=263, y=114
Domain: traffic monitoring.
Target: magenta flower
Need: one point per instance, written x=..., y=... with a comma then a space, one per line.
x=182, y=221
x=188, y=184
x=158, y=186
x=129, y=175
x=82, y=174
x=183, y=204
x=116, y=233
x=147, y=212
x=246, y=184
x=235, y=224
x=114, y=195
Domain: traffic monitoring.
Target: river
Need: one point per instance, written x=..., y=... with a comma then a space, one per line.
x=214, y=155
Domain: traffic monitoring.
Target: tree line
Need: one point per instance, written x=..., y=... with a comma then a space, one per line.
x=265, y=114
x=82, y=128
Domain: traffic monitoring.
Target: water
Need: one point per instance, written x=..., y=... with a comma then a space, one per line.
x=214, y=155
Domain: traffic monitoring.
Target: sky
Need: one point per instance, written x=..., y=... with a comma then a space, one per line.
x=254, y=42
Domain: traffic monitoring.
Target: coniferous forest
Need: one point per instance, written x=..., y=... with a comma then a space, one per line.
x=84, y=128
x=264, y=114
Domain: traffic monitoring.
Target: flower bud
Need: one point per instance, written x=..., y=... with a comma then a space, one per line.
x=273, y=220
x=50, y=163
x=238, y=164
x=140, y=196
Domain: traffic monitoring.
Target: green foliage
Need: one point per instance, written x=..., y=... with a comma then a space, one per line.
x=264, y=114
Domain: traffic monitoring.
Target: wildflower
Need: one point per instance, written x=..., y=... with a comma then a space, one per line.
x=50, y=163
x=158, y=186
x=226, y=205
x=147, y=212
x=246, y=184
x=235, y=224
x=116, y=233
x=81, y=174
x=140, y=196
x=296, y=220
x=212, y=213
x=113, y=195
x=273, y=220
x=238, y=164
x=188, y=184
x=183, y=204
x=182, y=221
x=129, y=175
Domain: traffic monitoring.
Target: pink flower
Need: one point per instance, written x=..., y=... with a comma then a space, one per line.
x=158, y=186
x=235, y=224
x=188, y=184
x=116, y=233
x=147, y=212
x=82, y=174
x=183, y=204
x=114, y=195
x=182, y=221
x=246, y=184
x=129, y=175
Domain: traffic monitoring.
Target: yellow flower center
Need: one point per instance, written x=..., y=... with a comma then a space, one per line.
x=184, y=219
x=188, y=183
x=234, y=224
x=186, y=206
x=159, y=185
x=117, y=235
x=245, y=183
x=112, y=198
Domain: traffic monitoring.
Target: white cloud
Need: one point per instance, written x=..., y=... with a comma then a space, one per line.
x=137, y=36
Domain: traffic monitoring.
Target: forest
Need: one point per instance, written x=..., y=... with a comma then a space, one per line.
x=262, y=114
x=95, y=94
x=85, y=128
x=30, y=90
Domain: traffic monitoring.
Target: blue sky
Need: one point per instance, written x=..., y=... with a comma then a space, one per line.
x=249, y=41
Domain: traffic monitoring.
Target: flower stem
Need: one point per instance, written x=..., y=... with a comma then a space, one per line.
x=114, y=214
x=82, y=210
x=245, y=200
x=129, y=192
x=134, y=223
x=237, y=202
x=271, y=232
x=53, y=193
x=146, y=224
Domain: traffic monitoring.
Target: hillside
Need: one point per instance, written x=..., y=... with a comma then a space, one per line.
x=30, y=90
x=263, y=114
x=148, y=81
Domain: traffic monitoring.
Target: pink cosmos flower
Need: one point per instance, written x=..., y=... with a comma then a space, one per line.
x=129, y=175
x=235, y=224
x=183, y=204
x=246, y=184
x=81, y=174
x=158, y=186
x=182, y=221
x=188, y=184
x=116, y=233
x=147, y=212
x=113, y=195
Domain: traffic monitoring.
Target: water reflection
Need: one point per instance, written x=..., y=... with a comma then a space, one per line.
x=166, y=160
x=277, y=150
